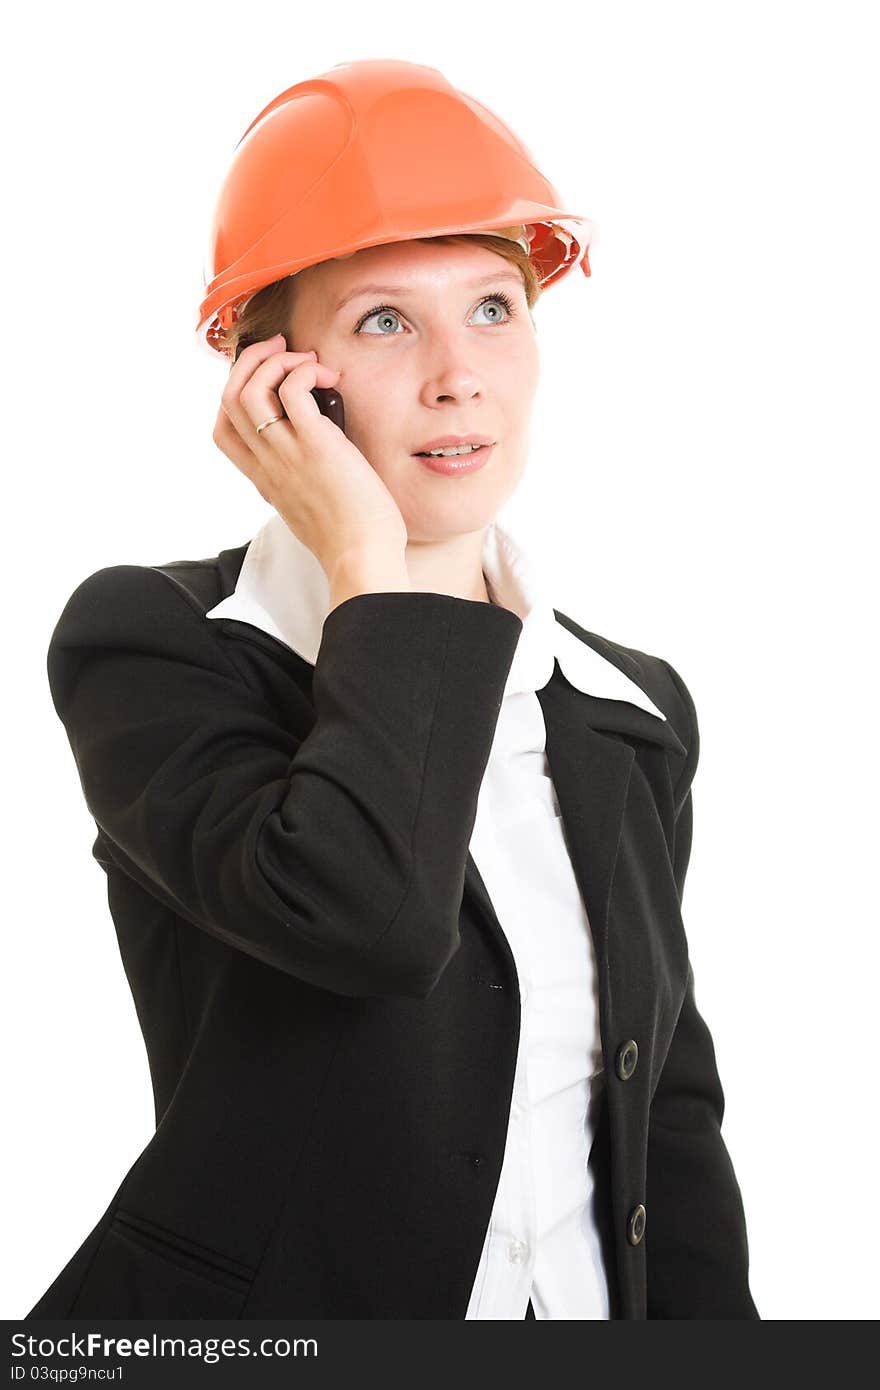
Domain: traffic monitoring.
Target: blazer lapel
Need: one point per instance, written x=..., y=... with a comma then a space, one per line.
x=590, y=762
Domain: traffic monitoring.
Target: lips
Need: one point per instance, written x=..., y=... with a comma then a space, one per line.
x=454, y=441
x=458, y=465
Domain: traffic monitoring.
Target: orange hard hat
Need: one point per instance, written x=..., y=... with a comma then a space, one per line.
x=371, y=152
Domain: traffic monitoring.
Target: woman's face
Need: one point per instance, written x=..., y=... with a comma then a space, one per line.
x=444, y=356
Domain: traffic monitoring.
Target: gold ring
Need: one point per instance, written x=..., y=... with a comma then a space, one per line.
x=271, y=421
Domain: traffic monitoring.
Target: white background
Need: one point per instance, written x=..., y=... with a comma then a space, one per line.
x=704, y=445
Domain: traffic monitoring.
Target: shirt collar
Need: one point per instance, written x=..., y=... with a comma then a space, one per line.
x=283, y=590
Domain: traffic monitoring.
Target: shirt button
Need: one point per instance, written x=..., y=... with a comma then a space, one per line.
x=517, y=1252
x=523, y=993
x=516, y=1110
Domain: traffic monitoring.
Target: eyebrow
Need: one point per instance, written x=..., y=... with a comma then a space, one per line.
x=493, y=279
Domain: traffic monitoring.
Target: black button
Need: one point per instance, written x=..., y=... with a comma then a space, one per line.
x=635, y=1226
x=627, y=1056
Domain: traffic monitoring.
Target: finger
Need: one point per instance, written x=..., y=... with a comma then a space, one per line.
x=251, y=358
x=282, y=387
x=240, y=389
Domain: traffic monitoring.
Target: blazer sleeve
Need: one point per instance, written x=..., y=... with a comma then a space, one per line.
x=695, y=1236
x=329, y=841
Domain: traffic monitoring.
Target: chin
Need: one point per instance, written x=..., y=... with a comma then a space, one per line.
x=445, y=522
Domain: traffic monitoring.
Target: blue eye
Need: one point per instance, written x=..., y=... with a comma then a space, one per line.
x=502, y=299
x=388, y=310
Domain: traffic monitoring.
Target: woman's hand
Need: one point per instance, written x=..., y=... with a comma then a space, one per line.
x=304, y=465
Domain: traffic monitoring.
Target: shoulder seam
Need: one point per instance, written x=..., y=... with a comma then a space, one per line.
x=192, y=602
x=179, y=588
x=625, y=654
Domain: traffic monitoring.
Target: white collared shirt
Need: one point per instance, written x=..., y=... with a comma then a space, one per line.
x=541, y=1241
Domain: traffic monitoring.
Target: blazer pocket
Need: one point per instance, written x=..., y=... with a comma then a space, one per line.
x=142, y=1269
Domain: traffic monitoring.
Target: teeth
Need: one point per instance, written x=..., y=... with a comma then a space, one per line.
x=450, y=453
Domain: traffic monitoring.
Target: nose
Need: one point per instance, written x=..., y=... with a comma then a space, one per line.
x=456, y=381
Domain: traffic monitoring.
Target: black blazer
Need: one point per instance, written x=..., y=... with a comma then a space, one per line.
x=329, y=1005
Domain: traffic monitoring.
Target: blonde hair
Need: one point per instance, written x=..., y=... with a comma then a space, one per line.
x=268, y=311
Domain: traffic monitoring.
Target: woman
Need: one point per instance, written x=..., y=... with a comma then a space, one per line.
x=395, y=852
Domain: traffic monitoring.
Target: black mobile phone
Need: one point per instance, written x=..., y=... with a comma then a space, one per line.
x=331, y=404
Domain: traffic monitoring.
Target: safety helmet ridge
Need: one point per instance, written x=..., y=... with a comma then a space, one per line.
x=371, y=152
